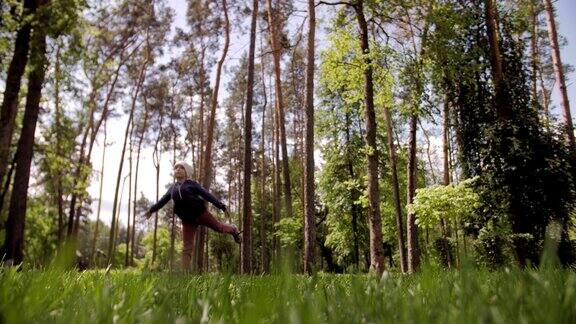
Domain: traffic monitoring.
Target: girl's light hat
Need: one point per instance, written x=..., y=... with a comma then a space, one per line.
x=186, y=167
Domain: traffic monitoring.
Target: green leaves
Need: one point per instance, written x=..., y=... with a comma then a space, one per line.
x=452, y=202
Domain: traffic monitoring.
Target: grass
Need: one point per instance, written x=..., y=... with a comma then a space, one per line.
x=441, y=296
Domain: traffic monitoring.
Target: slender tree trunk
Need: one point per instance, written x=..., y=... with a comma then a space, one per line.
x=446, y=156
x=309, y=219
x=128, y=209
x=277, y=184
x=559, y=73
x=80, y=174
x=376, y=255
x=140, y=140
x=395, y=188
x=92, y=129
x=503, y=111
x=116, y=203
x=16, y=69
x=13, y=248
x=247, y=161
x=412, y=231
x=155, y=240
x=173, y=218
x=111, y=243
x=353, y=196
x=263, y=175
x=276, y=53
x=202, y=79
x=58, y=122
x=95, y=238
x=534, y=51
x=207, y=164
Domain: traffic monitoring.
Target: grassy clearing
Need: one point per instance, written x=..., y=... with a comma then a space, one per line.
x=465, y=296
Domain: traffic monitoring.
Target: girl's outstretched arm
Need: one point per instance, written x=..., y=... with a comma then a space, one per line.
x=163, y=201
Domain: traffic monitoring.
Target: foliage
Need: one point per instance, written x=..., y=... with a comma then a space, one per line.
x=289, y=230
x=452, y=203
x=40, y=232
x=162, y=249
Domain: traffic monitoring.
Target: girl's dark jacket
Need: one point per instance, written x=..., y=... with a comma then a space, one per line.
x=189, y=200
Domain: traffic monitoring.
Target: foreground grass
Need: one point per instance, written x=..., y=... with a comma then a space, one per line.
x=466, y=296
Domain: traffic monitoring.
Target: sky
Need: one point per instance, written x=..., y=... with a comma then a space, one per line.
x=566, y=21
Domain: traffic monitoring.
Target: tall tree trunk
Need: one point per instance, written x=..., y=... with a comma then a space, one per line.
x=376, y=253
x=534, y=51
x=277, y=205
x=207, y=164
x=503, y=111
x=395, y=188
x=16, y=69
x=111, y=242
x=128, y=209
x=95, y=237
x=80, y=174
x=446, y=157
x=276, y=53
x=413, y=257
x=13, y=248
x=92, y=128
x=138, y=150
x=172, y=218
x=58, y=122
x=157, y=166
x=559, y=73
x=412, y=231
x=247, y=161
x=263, y=199
x=116, y=203
x=309, y=219
x=202, y=80
x=353, y=196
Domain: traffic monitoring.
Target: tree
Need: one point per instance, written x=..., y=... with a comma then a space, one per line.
x=376, y=258
x=247, y=160
x=13, y=247
x=13, y=81
x=309, y=192
x=559, y=73
x=207, y=157
x=276, y=54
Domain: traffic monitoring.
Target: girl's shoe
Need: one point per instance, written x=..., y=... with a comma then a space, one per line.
x=237, y=234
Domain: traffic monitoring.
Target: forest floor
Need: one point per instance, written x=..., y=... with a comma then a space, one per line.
x=433, y=295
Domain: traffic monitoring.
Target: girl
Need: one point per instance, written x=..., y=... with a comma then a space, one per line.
x=190, y=205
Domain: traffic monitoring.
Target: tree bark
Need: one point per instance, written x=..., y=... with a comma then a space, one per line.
x=128, y=209
x=207, y=164
x=13, y=248
x=503, y=111
x=276, y=51
x=533, y=51
x=112, y=238
x=277, y=205
x=309, y=208
x=247, y=204
x=395, y=188
x=138, y=150
x=263, y=175
x=411, y=229
x=16, y=69
x=95, y=238
x=353, y=196
x=559, y=73
x=58, y=122
x=375, y=222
